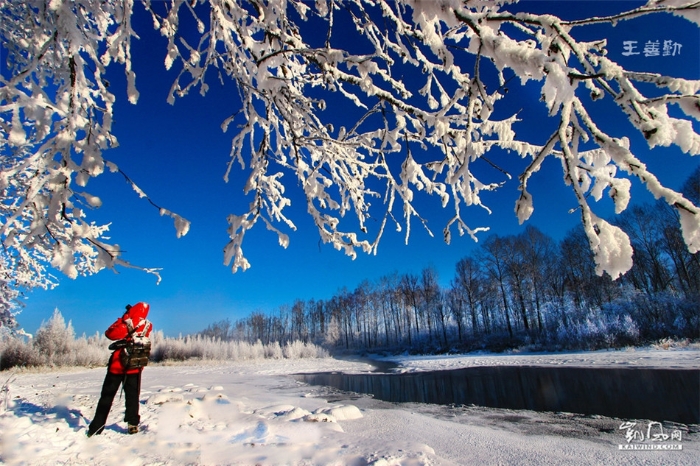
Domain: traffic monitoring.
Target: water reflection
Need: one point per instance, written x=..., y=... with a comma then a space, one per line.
x=630, y=393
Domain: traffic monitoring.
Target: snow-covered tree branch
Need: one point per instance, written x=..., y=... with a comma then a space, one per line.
x=55, y=122
x=363, y=103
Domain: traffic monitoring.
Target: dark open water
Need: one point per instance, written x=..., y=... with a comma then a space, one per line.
x=628, y=393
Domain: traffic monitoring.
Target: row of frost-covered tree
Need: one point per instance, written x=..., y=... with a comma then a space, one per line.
x=515, y=290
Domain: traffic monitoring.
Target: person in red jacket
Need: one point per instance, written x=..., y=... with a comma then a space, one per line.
x=121, y=370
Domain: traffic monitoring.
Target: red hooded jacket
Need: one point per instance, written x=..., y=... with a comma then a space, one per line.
x=134, y=319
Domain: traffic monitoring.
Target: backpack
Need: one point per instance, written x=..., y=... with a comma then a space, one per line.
x=136, y=348
x=136, y=352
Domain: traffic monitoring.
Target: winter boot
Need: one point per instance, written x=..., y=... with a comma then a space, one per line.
x=133, y=429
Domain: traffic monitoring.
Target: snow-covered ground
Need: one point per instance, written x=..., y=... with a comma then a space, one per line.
x=256, y=413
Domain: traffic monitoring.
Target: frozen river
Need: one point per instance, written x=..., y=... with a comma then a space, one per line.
x=630, y=393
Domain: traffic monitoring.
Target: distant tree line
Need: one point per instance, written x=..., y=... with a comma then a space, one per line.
x=514, y=291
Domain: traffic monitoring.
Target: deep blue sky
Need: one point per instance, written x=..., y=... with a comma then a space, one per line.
x=178, y=155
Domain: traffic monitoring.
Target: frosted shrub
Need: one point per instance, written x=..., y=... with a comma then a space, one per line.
x=89, y=352
x=293, y=350
x=257, y=351
x=210, y=348
x=670, y=343
x=54, y=345
x=214, y=349
x=300, y=350
x=15, y=352
x=562, y=333
x=630, y=328
x=244, y=351
x=594, y=329
x=232, y=352
x=273, y=351
x=240, y=350
x=318, y=351
x=157, y=337
x=53, y=339
x=598, y=330
x=652, y=317
x=687, y=323
x=176, y=349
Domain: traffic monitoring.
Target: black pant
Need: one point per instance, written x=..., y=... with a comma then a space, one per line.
x=132, y=387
